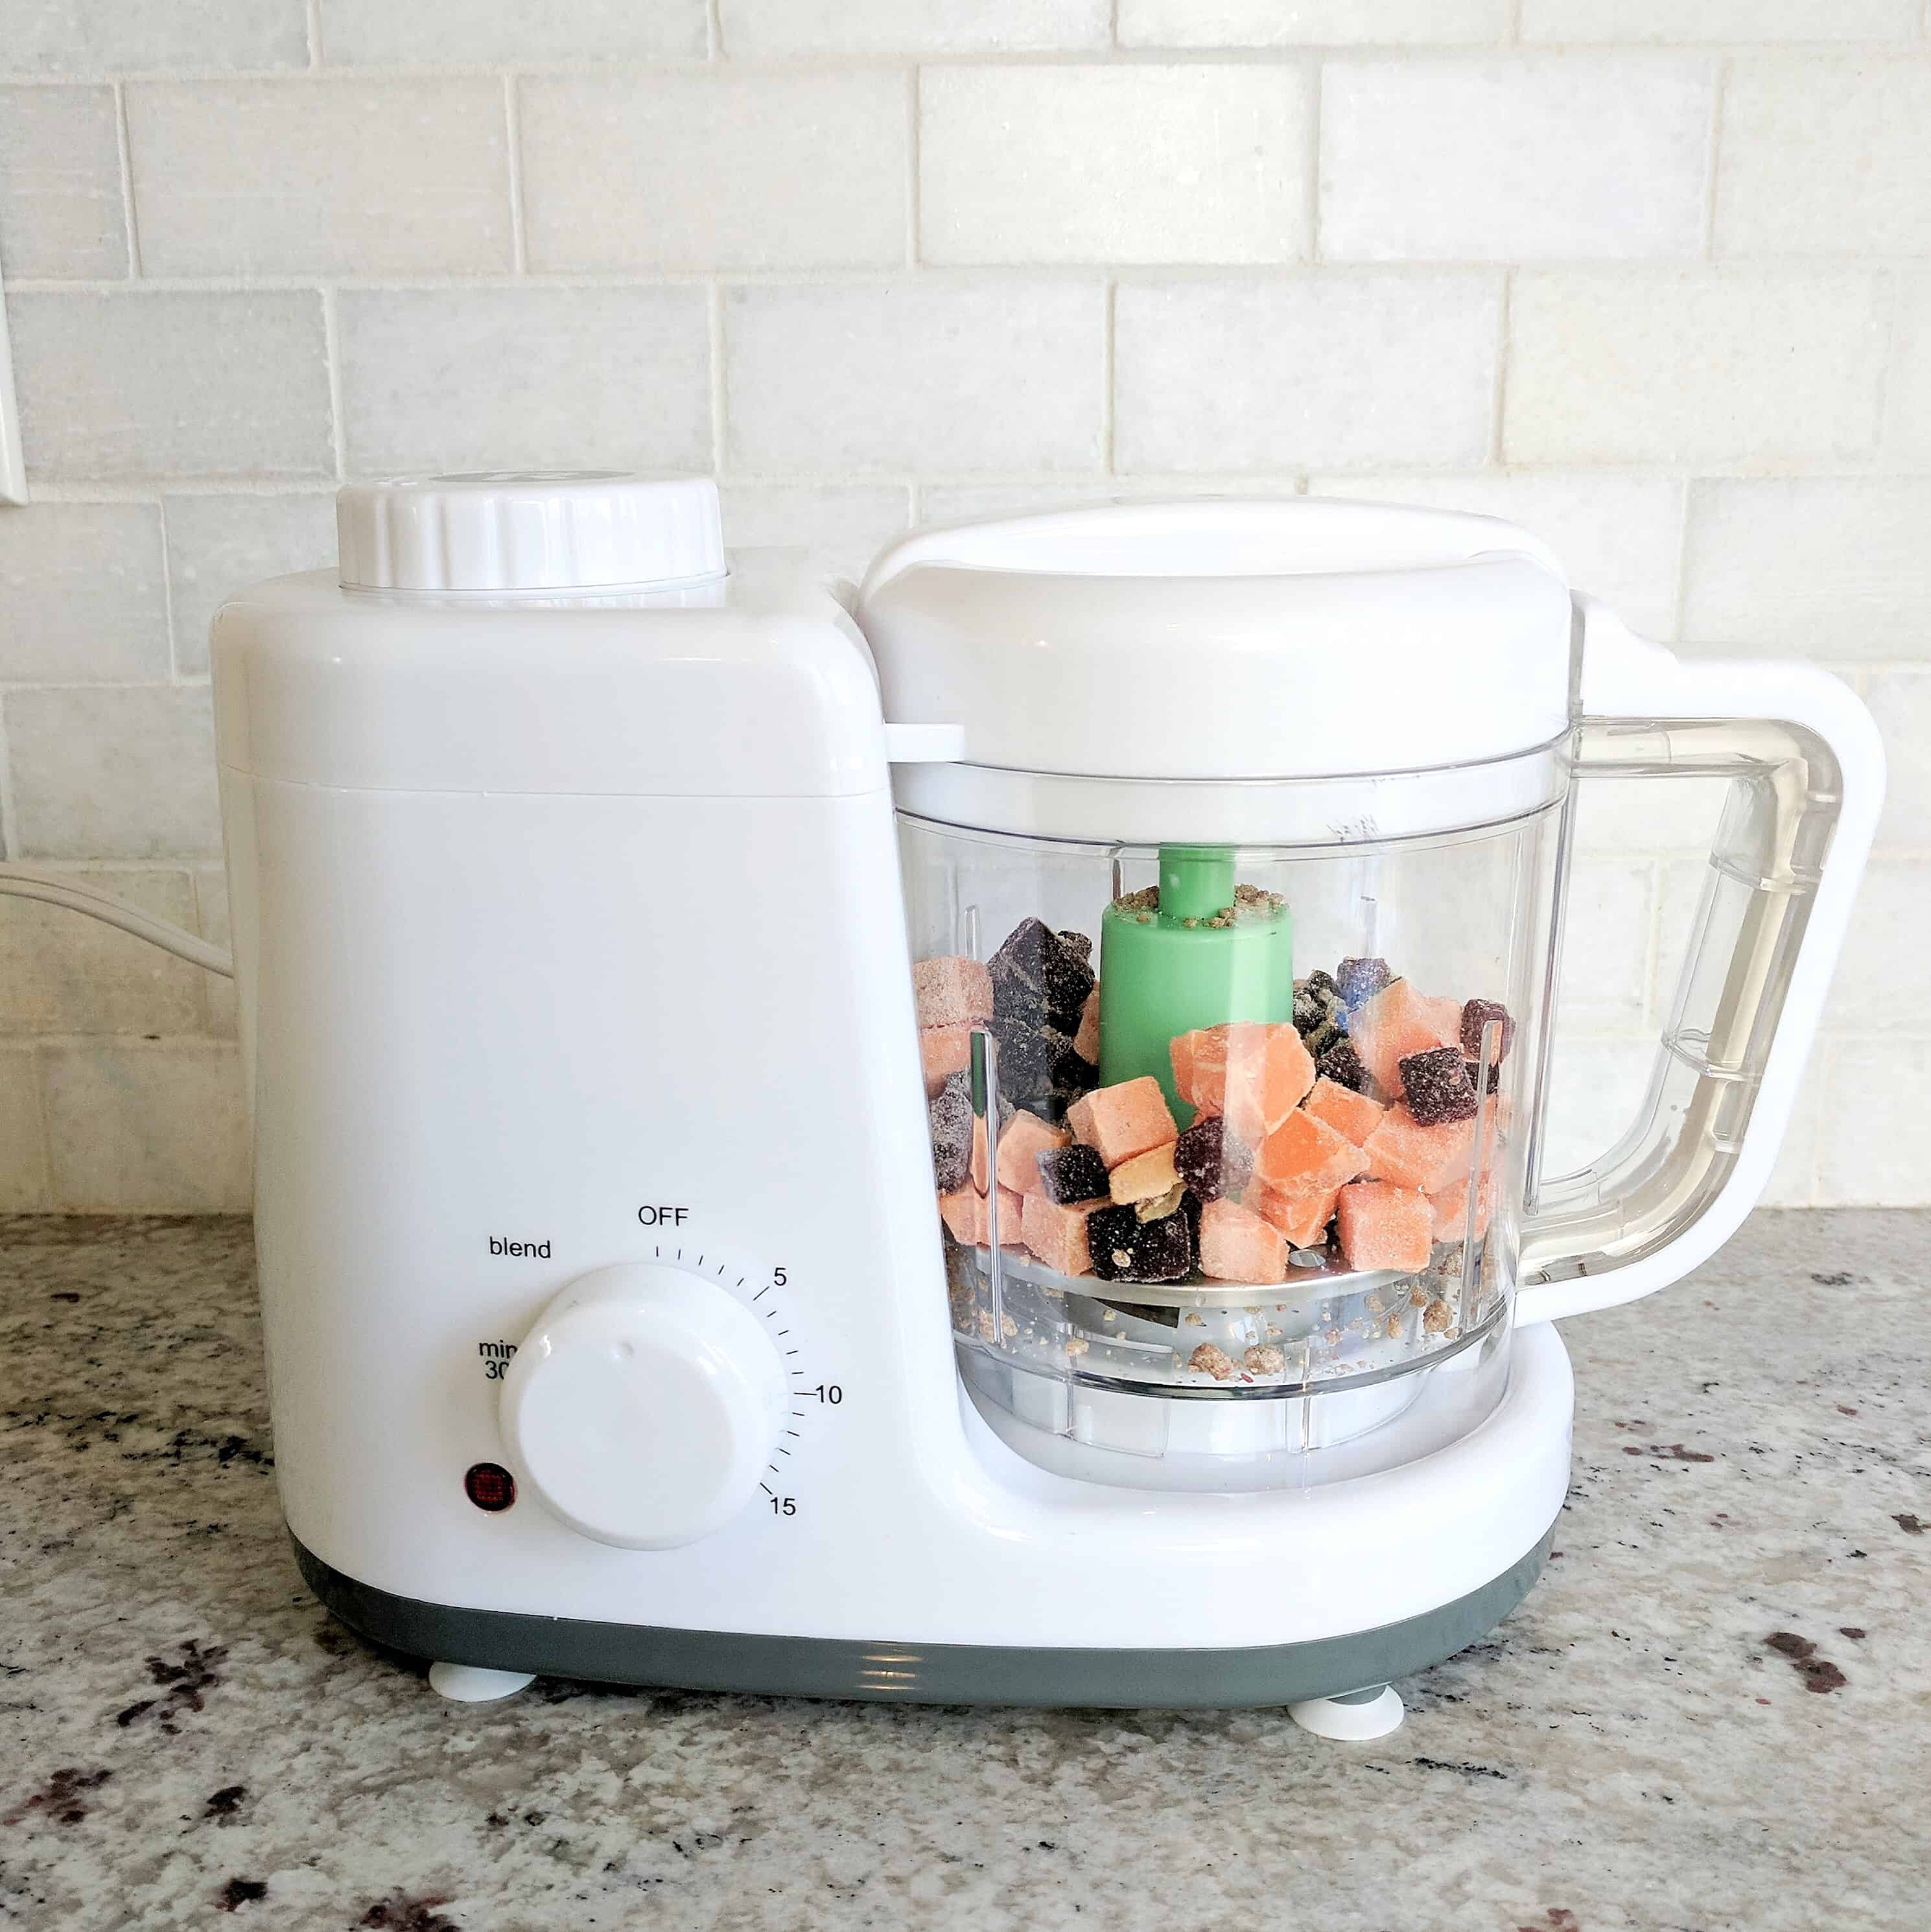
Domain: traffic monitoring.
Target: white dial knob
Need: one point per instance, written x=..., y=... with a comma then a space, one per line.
x=644, y=1406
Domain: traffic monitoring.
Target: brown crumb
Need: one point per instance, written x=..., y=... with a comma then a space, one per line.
x=1417, y=1296
x=1436, y=1317
x=1264, y=1359
x=1210, y=1361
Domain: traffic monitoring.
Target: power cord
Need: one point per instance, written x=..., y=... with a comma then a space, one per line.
x=59, y=888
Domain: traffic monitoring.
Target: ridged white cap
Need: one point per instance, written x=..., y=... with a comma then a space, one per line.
x=559, y=530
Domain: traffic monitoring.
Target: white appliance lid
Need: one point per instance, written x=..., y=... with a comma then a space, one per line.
x=1222, y=639
x=504, y=532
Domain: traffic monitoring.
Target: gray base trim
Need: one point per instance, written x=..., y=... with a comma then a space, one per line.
x=921, y=1673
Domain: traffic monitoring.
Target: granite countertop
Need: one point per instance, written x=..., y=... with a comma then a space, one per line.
x=1714, y=1712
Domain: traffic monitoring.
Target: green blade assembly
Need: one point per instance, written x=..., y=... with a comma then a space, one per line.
x=1198, y=951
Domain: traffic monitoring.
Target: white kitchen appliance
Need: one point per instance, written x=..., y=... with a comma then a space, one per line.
x=1140, y=1291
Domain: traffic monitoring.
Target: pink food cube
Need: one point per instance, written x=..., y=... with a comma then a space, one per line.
x=1085, y=1041
x=1450, y=1209
x=950, y=991
x=1056, y=1231
x=943, y=1052
x=1302, y=1218
x=1021, y=1140
x=1304, y=1155
x=1427, y=1158
x=967, y=1216
x=1254, y=1073
x=1350, y=1114
x=1119, y=1122
x=1237, y=1244
x=1399, y=1021
x=1383, y=1226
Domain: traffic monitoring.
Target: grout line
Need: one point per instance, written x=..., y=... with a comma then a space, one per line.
x=1679, y=597
x=915, y=239
x=1317, y=73
x=44, y=1109
x=10, y=822
x=714, y=317
x=338, y=434
x=1498, y=394
x=1512, y=34
x=1713, y=155
x=314, y=10
x=1113, y=24
x=513, y=140
x=1891, y=295
x=125, y=148
x=713, y=31
x=167, y=593
x=1109, y=408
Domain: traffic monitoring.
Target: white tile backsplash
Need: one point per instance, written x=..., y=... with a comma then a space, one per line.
x=1743, y=369
x=120, y=387
x=715, y=171
x=1341, y=370
x=83, y=594
x=1514, y=158
x=323, y=177
x=1826, y=156
x=60, y=213
x=1114, y=164
x=872, y=260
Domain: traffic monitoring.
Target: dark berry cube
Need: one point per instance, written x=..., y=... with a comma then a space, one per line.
x=1075, y=1173
x=1125, y=1248
x=1436, y=1086
x=1475, y=1016
x=1342, y=1065
x=1212, y=1161
x=950, y=1116
x=1361, y=980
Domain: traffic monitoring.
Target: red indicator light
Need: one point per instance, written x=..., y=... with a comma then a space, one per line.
x=489, y=1486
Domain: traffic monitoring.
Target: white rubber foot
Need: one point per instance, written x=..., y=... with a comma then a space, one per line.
x=1374, y=1717
x=470, y=1684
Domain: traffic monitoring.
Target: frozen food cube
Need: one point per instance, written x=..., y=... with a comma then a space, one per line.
x=1236, y=1244
x=1125, y=1248
x=1254, y=1072
x=967, y=1216
x=1342, y=1065
x=1398, y=1021
x=1146, y=1177
x=949, y=1117
x=1320, y=1016
x=1450, y=1208
x=1124, y=1120
x=1036, y=976
x=1212, y=1160
x=1436, y=1086
x=1346, y=1112
x=1302, y=1218
x=1056, y=1231
x=950, y=990
x=1086, y=1036
x=1072, y=1173
x=1476, y=1014
x=1427, y=1159
x=1304, y=1154
x=1383, y=1226
x=1360, y=979
x=1021, y=1140
x=943, y=1052
x=1073, y=1078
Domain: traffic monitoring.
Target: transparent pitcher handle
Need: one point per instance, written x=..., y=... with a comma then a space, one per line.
x=1806, y=772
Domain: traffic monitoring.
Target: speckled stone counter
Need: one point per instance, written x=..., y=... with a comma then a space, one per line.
x=1713, y=1713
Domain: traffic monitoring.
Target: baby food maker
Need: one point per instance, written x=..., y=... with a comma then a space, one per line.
x=976, y=1140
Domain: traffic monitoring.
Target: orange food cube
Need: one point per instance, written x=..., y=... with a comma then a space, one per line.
x=1384, y=1226
x=1056, y=1231
x=943, y=1052
x=1450, y=1209
x=1120, y=1121
x=1254, y=1072
x=951, y=990
x=1145, y=1176
x=968, y=1217
x=1022, y=1139
x=1086, y=1041
x=1237, y=1244
x=1348, y=1112
x=1303, y=1155
x=1300, y=1217
x=1399, y=1021
x=1427, y=1158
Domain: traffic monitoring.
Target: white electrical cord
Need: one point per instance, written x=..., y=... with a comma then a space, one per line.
x=60, y=889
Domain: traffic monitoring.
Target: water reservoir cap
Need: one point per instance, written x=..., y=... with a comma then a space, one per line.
x=502, y=532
